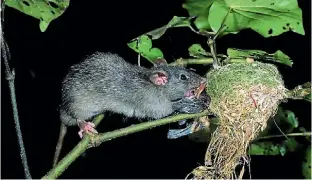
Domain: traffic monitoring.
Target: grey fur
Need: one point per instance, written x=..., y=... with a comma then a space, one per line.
x=106, y=82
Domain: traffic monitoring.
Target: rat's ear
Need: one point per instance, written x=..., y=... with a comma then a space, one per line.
x=159, y=77
x=160, y=62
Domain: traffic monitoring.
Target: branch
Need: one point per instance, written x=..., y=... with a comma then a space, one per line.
x=102, y=137
x=291, y=134
x=212, y=42
x=10, y=76
x=184, y=62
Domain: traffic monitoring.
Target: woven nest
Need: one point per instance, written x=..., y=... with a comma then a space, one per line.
x=243, y=96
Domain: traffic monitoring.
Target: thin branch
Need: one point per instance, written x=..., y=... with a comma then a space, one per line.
x=291, y=134
x=204, y=61
x=139, y=59
x=102, y=137
x=212, y=42
x=183, y=62
x=10, y=76
x=72, y=155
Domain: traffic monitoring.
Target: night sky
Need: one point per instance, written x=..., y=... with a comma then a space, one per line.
x=41, y=60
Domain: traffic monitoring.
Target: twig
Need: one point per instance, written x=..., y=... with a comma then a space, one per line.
x=291, y=134
x=10, y=76
x=72, y=155
x=102, y=137
x=203, y=61
x=139, y=59
x=183, y=62
x=212, y=42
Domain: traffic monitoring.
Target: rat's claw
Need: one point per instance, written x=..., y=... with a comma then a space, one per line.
x=80, y=134
x=86, y=127
x=91, y=124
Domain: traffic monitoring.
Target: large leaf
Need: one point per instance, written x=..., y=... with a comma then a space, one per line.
x=200, y=9
x=143, y=46
x=291, y=118
x=306, y=165
x=270, y=148
x=197, y=51
x=265, y=148
x=278, y=56
x=266, y=17
x=44, y=10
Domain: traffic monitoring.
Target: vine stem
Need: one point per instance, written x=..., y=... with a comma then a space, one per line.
x=10, y=76
x=291, y=134
x=204, y=61
x=97, y=139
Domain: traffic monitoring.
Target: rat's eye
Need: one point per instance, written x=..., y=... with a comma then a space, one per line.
x=183, y=77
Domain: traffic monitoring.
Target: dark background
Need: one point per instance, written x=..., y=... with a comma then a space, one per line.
x=41, y=61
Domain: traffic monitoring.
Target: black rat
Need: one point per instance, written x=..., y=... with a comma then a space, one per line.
x=106, y=82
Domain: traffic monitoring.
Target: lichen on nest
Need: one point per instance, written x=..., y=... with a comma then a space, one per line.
x=243, y=97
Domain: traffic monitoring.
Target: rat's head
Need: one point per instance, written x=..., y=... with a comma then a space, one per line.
x=177, y=82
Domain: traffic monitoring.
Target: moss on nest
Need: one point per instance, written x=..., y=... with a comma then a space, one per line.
x=223, y=81
x=243, y=97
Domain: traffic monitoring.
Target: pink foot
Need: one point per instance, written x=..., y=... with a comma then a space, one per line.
x=86, y=127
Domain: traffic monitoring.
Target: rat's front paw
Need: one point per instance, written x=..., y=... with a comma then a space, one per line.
x=86, y=127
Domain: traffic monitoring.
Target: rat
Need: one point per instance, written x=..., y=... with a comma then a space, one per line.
x=106, y=82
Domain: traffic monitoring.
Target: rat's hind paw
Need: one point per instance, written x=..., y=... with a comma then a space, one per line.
x=86, y=127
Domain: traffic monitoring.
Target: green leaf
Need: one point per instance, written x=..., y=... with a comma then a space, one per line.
x=278, y=56
x=291, y=144
x=268, y=18
x=153, y=54
x=269, y=148
x=199, y=8
x=43, y=25
x=306, y=165
x=302, y=129
x=307, y=87
x=307, y=97
x=283, y=150
x=44, y=10
x=197, y=51
x=301, y=92
x=174, y=22
x=291, y=118
x=264, y=148
x=143, y=46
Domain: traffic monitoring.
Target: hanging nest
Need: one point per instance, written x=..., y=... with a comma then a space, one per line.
x=243, y=97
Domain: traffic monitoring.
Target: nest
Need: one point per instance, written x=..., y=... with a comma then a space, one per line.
x=243, y=97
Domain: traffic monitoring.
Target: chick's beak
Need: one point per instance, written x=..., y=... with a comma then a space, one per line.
x=201, y=88
x=204, y=80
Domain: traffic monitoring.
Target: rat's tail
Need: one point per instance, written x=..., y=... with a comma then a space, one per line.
x=59, y=145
